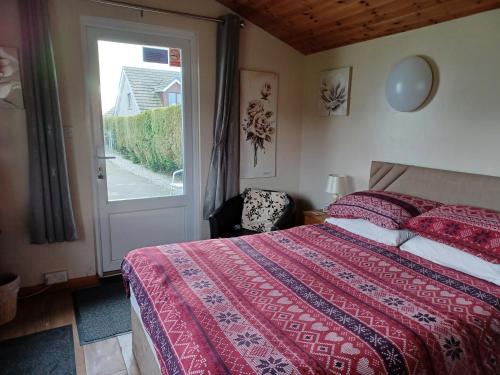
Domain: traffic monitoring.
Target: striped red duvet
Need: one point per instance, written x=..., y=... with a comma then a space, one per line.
x=311, y=300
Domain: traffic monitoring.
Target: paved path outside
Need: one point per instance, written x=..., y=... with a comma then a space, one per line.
x=124, y=184
x=140, y=170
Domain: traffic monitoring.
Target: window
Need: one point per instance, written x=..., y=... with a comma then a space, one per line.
x=129, y=101
x=172, y=98
x=144, y=145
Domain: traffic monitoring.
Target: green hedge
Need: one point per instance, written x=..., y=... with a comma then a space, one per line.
x=152, y=138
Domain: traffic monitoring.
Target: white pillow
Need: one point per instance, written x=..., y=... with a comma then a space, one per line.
x=454, y=258
x=371, y=231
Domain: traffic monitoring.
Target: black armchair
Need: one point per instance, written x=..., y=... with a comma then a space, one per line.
x=226, y=220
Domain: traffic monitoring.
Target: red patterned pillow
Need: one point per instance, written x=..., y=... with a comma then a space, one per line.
x=472, y=229
x=386, y=209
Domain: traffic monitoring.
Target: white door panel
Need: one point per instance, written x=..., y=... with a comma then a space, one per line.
x=129, y=229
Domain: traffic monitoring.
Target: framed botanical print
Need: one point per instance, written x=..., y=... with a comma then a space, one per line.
x=334, y=92
x=258, y=122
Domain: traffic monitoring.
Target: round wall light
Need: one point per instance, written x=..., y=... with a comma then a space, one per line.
x=409, y=84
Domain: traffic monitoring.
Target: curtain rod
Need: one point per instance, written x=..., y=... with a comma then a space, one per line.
x=142, y=8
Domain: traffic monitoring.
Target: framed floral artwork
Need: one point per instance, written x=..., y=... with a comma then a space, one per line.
x=258, y=121
x=334, y=92
x=11, y=96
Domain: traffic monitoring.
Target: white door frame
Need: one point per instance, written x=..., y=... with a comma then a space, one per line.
x=193, y=133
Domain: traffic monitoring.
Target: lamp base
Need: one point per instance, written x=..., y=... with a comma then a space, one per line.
x=335, y=199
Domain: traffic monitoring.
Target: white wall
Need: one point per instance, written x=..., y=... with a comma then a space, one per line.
x=259, y=50
x=122, y=106
x=458, y=130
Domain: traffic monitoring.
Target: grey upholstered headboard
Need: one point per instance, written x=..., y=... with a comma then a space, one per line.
x=436, y=184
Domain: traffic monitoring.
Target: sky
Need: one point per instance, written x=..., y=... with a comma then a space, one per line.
x=112, y=56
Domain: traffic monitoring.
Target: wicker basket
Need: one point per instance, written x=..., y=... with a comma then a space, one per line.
x=9, y=286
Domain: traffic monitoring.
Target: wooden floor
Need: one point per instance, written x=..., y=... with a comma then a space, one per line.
x=54, y=309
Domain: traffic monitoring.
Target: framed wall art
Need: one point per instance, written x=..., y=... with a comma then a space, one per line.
x=11, y=95
x=334, y=92
x=258, y=121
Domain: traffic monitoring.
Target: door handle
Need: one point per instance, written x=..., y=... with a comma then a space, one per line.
x=106, y=157
x=100, y=173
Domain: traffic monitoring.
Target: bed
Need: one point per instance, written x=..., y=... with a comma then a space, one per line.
x=317, y=299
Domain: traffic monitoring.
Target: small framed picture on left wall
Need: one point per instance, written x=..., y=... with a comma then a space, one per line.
x=11, y=95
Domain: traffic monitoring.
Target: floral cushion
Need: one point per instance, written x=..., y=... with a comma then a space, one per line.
x=261, y=209
x=386, y=209
x=471, y=229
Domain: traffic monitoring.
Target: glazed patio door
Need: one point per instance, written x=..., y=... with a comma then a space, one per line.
x=141, y=105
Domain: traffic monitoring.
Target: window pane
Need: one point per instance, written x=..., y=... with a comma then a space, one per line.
x=142, y=130
x=129, y=101
x=172, y=98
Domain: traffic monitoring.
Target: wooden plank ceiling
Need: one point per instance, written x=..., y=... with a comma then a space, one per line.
x=317, y=25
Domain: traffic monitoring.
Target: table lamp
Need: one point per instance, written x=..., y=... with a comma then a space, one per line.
x=336, y=185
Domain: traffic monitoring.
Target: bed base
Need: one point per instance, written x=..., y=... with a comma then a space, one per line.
x=143, y=353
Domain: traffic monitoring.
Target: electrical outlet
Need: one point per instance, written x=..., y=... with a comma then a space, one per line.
x=56, y=277
x=67, y=132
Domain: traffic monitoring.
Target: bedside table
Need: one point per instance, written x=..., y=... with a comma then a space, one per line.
x=314, y=217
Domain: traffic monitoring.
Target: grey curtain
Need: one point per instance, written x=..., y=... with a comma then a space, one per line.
x=51, y=213
x=224, y=173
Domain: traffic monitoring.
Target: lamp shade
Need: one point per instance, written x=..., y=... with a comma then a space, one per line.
x=336, y=184
x=409, y=84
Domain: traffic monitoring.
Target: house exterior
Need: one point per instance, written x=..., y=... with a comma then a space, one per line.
x=141, y=89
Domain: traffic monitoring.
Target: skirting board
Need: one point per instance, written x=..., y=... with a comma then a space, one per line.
x=76, y=283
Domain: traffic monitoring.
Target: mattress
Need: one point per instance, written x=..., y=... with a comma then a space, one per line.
x=312, y=299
